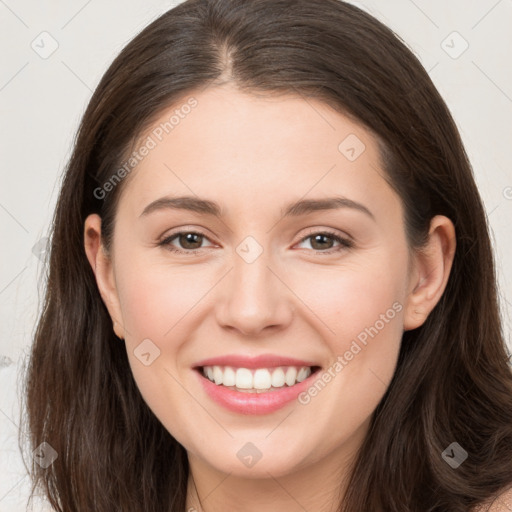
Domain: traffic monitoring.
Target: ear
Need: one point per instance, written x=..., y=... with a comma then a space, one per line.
x=102, y=267
x=430, y=273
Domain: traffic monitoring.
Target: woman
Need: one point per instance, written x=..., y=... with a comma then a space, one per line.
x=258, y=369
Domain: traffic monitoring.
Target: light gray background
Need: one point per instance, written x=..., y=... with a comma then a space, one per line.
x=42, y=98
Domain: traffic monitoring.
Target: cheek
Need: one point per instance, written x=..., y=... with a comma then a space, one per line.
x=155, y=302
x=359, y=308
x=354, y=296
x=362, y=310
x=154, y=298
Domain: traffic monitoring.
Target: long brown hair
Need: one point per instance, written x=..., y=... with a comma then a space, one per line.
x=452, y=382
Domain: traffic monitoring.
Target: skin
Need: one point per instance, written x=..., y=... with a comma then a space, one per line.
x=254, y=155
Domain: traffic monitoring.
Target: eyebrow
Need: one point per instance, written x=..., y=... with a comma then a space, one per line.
x=295, y=209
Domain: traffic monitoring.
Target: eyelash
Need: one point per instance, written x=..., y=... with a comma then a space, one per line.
x=345, y=243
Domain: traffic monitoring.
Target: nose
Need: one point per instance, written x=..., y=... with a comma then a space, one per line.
x=254, y=298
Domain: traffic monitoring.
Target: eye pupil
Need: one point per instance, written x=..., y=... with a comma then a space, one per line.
x=321, y=237
x=188, y=238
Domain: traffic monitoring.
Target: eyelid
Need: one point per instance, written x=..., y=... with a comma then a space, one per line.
x=346, y=241
x=330, y=231
x=166, y=239
x=184, y=229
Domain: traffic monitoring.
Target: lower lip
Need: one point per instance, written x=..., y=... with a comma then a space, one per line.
x=253, y=403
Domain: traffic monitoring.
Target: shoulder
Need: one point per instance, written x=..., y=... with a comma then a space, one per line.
x=502, y=503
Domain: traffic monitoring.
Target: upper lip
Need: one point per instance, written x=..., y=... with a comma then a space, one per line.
x=262, y=361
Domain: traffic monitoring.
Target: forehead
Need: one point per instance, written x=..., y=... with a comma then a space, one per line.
x=238, y=148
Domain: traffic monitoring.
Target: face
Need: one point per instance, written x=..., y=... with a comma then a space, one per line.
x=262, y=286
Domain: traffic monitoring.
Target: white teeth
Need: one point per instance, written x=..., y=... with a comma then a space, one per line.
x=302, y=375
x=262, y=379
x=258, y=379
x=229, y=377
x=278, y=378
x=291, y=376
x=217, y=374
x=243, y=378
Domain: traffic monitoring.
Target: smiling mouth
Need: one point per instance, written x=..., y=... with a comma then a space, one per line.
x=257, y=380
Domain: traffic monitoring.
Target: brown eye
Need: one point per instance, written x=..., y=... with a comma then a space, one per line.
x=189, y=242
x=323, y=242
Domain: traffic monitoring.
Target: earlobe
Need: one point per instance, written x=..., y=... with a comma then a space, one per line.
x=432, y=268
x=101, y=265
